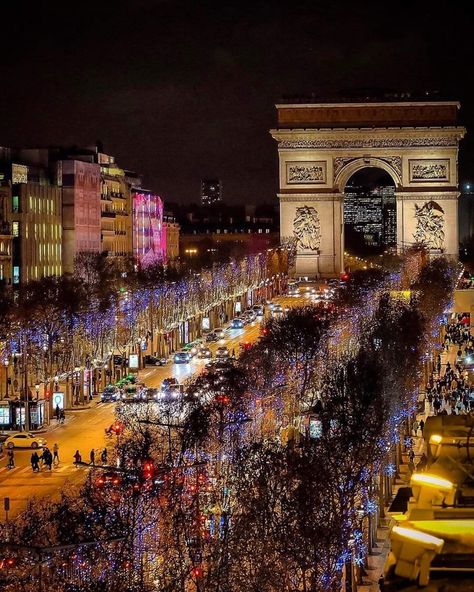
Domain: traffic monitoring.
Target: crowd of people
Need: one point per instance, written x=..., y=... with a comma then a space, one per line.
x=448, y=391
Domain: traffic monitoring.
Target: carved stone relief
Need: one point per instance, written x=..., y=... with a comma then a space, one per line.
x=429, y=171
x=310, y=172
x=371, y=143
x=429, y=225
x=307, y=228
x=394, y=161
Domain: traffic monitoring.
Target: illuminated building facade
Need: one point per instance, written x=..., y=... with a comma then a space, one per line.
x=81, y=209
x=5, y=235
x=172, y=231
x=211, y=191
x=372, y=213
x=149, y=236
x=36, y=224
x=116, y=208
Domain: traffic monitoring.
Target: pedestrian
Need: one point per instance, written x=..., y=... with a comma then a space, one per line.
x=421, y=466
x=233, y=352
x=62, y=416
x=47, y=458
x=56, y=453
x=411, y=455
x=77, y=458
x=103, y=456
x=57, y=412
x=415, y=428
x=92, y=457
x=11, y=459
x=411, y=468
x=35, y=462
x=422, y=426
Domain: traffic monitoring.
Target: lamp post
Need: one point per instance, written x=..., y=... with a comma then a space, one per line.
x=5, y=362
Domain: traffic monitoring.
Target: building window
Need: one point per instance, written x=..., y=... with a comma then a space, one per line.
x=16, y=228
x=4, y=415
x=16, y=274
x=1, y=271
x=15, y=204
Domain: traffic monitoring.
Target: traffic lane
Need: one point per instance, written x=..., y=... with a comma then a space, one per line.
x=153, y=377
x=83, y=431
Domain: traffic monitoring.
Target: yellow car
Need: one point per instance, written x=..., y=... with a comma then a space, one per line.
x=24, y=440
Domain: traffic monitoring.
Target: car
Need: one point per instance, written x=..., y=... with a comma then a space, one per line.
x=277, y=309
x=182, y=357
x=219, y=365
x=250, y=314
x=109, y=478
x=220, y=333
x=173, y=392
x=222, y=353
x=204, y=353
x=110, y=393
x=236, y=324
x=154, y=361
x=258, y=310
x=293, y=289
x=24, y=440
x=192, y=347
x=212, y=336
x=168, y=382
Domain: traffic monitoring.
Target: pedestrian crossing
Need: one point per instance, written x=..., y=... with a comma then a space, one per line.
x=21, y=470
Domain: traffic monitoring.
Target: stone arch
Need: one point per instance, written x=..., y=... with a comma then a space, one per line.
x=321, y=145
x=357, y=164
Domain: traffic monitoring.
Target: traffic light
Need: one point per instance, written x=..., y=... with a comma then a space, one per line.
x=148, y=470
x=117, y=427
x=197, y=571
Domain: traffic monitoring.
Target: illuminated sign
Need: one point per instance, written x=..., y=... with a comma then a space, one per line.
x=58, y=400
x=206, y=324
x=19, y=173
x=133, y=362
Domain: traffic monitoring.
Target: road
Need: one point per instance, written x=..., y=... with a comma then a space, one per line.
x=84, y=430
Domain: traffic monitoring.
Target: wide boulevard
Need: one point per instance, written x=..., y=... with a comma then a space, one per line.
x=84, y=430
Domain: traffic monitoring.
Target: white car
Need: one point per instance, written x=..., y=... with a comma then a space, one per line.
x=24, y=440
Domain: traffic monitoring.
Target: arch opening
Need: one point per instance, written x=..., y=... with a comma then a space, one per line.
x=370, y=213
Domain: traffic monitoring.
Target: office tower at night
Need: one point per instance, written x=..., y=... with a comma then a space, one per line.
x=211, y=191
x=372, y=214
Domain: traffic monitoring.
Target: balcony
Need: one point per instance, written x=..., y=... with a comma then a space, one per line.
x=107, y=214
x=121, y=212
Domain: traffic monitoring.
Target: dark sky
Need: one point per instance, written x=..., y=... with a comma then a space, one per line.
x=180, y=90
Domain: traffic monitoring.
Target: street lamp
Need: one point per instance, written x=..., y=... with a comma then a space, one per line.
x=37, y=388
x=5, y=362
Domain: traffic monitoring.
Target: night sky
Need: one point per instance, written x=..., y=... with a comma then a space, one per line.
x=180, y=90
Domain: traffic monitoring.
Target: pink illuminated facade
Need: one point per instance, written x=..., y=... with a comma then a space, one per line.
x=149, y=236
x=80, y=183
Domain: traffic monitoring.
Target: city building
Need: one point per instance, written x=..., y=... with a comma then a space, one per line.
x=149, y=235
x=81, y=209
x=211, y=191
x=36, y=226
x=171, y=238
x=5, y=235
x=116, y=208
x=372, y=213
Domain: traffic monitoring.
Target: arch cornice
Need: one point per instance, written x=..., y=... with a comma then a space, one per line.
x=391, y=165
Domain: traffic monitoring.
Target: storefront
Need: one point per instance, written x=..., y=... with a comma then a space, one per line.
x=13, y=416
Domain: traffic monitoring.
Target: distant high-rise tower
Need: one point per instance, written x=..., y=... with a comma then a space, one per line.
x=211, y=191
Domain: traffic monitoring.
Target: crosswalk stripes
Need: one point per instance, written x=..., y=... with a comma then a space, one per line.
x=18, y=470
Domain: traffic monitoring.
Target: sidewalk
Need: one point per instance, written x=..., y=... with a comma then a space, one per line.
x=377, y=559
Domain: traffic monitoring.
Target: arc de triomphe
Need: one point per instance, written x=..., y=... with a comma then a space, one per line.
x=320, y=146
